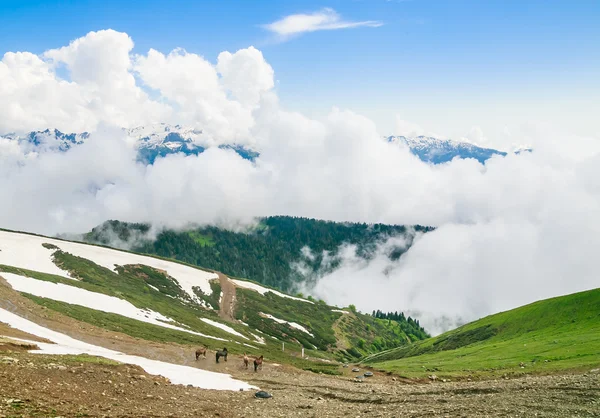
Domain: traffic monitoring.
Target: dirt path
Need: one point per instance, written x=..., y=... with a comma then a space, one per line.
x=227, y=305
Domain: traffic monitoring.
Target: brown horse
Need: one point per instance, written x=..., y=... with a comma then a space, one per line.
x=246, y=360
x=201, y=352
x=258, y=361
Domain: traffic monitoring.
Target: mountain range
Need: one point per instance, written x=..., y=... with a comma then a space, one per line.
x=159, y=140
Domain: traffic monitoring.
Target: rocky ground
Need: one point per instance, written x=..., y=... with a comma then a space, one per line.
x=33, y=385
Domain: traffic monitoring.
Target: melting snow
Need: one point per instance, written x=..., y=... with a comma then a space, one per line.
x=26, y=251
x=262, y=290
x=223, y=327
x=291, y=324
x=92, y=300
x=64, y=344
x=259, y=339
x=339, y=310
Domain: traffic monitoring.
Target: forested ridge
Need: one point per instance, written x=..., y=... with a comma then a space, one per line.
x=265, y=253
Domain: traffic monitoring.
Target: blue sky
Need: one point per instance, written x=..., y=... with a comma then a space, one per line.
x=445, y=65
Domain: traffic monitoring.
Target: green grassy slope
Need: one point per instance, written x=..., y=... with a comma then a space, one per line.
x=549, y=335
x=149, y=288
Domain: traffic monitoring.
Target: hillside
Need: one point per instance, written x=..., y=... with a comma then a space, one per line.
x=561, y=333
x=266, y=253
x=160, y=300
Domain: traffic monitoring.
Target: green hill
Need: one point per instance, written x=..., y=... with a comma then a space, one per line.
x=265, y=253
x=259, y=318
x=555, y=334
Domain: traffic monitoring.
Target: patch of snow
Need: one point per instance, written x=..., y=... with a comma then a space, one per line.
x=18, y=250
x=22, y=250
x=291, y=324
x=92, y=300
x=259, y=339
x=223, y=327
x=339, y=310
x=178, y=374
x=251, y=346
x=155, y=288
x=262, y=290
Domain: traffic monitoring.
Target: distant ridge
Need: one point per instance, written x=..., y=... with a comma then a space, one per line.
x=161, y=139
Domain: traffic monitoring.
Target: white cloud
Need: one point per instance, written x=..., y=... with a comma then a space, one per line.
x=510, y=232
x=325, y=19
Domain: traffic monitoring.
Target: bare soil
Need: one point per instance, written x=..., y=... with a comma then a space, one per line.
x=227, y=305
x=48, y=386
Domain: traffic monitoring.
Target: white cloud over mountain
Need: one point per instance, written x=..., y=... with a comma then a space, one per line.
x=519, y=228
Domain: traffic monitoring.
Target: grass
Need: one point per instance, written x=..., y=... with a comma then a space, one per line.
x=202, y=240
x=77, y=359
x=551, y=335
x=133, y=284
x=148, y=288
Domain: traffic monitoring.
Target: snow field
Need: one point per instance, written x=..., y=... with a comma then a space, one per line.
x=26, y=251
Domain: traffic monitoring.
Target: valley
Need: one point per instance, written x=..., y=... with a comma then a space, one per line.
x=125, y=327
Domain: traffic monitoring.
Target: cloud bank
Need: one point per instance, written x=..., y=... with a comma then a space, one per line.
x=517, y=229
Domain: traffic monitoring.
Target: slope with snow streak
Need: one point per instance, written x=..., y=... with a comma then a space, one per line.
x=223, y=327
x=291, y=324
x=18, y=243
x=92, y=300
x=262, y=290
x=178, y=374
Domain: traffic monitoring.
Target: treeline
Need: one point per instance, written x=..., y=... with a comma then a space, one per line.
x=409, y=325
x=266, y=253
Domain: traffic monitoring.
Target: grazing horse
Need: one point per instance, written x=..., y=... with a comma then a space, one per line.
x=246, y=360
x=222, y=354
x=258, y=361
x=201, y=352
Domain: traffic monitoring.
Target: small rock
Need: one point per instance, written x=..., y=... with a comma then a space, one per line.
x=432, y=377
x=263, y=395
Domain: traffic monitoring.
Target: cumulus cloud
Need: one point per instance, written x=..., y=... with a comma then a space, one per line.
x=519, y=228
x=325, y=19
x=107, y=84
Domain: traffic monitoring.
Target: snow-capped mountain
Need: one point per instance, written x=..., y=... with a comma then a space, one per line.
x=151, y=141
x=438, y=151
x=48, y=140
x=161, y=139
